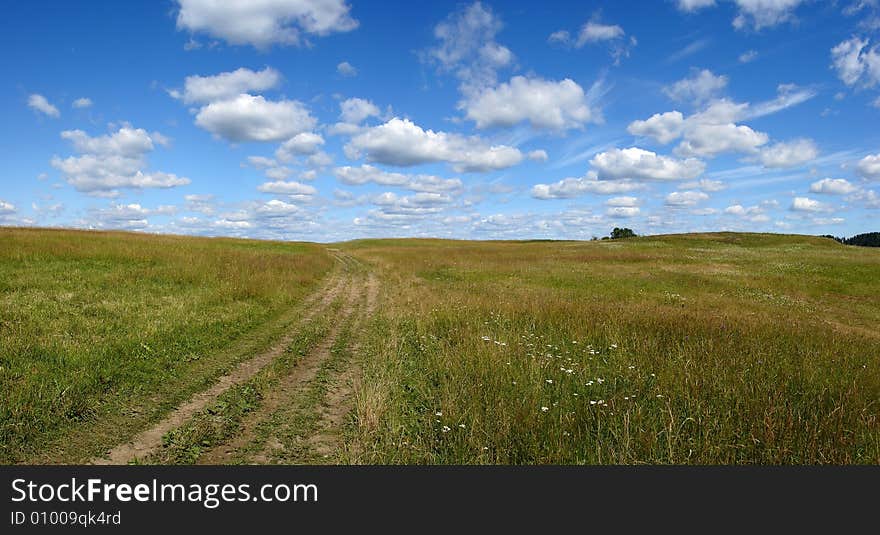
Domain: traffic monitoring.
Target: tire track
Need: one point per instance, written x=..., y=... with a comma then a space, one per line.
x=150, y=440
x=303, y=373
x=339, y=400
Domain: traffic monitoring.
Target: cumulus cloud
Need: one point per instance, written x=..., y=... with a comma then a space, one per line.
x=789, y=154
x=757, y=14
x=713, y=130
x=542, y=103
x=623, y=212
x=299, y=145
x=253, y=118
x=402, y=142
x=664, y=127
x=226, y=85
x=293, y=189
x=833, y=186
x=346, y=69
x=538, y=155
x=112, y=162
x=686, y=198
x=764, y=13
x=357, y=110
x=694, y=5
x=639, y=164
x=699, y=88
x=267, y=22
x=704, y=184
x=6, y=208
x=748, y=56
x=625, y=201
x=82, y=103
x=856, y=64
x=571, y=187
x=39, y=103
x=805, y=204
x=708, y=140
x=467, y=47
x=366, y=174
x=869, y=167
x=752, y=214
x=594, y=32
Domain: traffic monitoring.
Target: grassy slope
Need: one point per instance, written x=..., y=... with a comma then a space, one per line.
x=717, y=348
x=101, y=332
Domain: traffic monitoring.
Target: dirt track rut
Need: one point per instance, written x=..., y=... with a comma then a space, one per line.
x=150, y=440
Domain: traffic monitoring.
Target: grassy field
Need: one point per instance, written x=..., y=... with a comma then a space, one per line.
x=102, y=332
x=723, y=348
x=715, y=348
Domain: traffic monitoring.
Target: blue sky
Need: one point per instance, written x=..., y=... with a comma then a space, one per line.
x=328, y=120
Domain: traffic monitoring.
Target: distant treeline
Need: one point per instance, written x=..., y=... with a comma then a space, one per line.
x=870, y=239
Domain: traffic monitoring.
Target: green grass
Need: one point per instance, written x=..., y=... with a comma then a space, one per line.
x=691, y=349
x=102, y=332
x=704, y=349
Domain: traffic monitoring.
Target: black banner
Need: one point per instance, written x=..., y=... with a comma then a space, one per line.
x=134, y=498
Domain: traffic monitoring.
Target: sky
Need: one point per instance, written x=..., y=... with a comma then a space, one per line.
x=329, y=120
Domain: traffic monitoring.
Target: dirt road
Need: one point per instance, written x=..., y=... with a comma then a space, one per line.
x=300, y=418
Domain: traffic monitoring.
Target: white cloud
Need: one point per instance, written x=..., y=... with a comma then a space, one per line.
x=467, y=47
x=700, y=87
x=594, y=32
x=320, y=159
x=753, y=214
x=6, y=208
x=261, y=162
x=265, y=22
x=569, y=188
x=805, y=204
x=299, y=145
x=357, y=110
x=365, y=174
x=639, y=164
x=39, y=103
x=296, y=190
x=855, y=63
x=543, y=103
x=226, y=85
x=539, y=155
x=709, y=140
x=789, y=154
x=622, y=201
x=278, y=173
x=788, y=95
x=346, y=69
x=202, y=203
x=664, y=127
x=694, y=5
x=81, y=103
x=869, y=167
x=748, y=57
x=704, y=184
x=833, y=186
x=623, y=212
x=713, y=130
x=276, y=208
x=758, y=14
x=126, y=142
x=112, y=162
x=401, y=142
x=764, y=13
x=253, y=118
x=686, y=198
